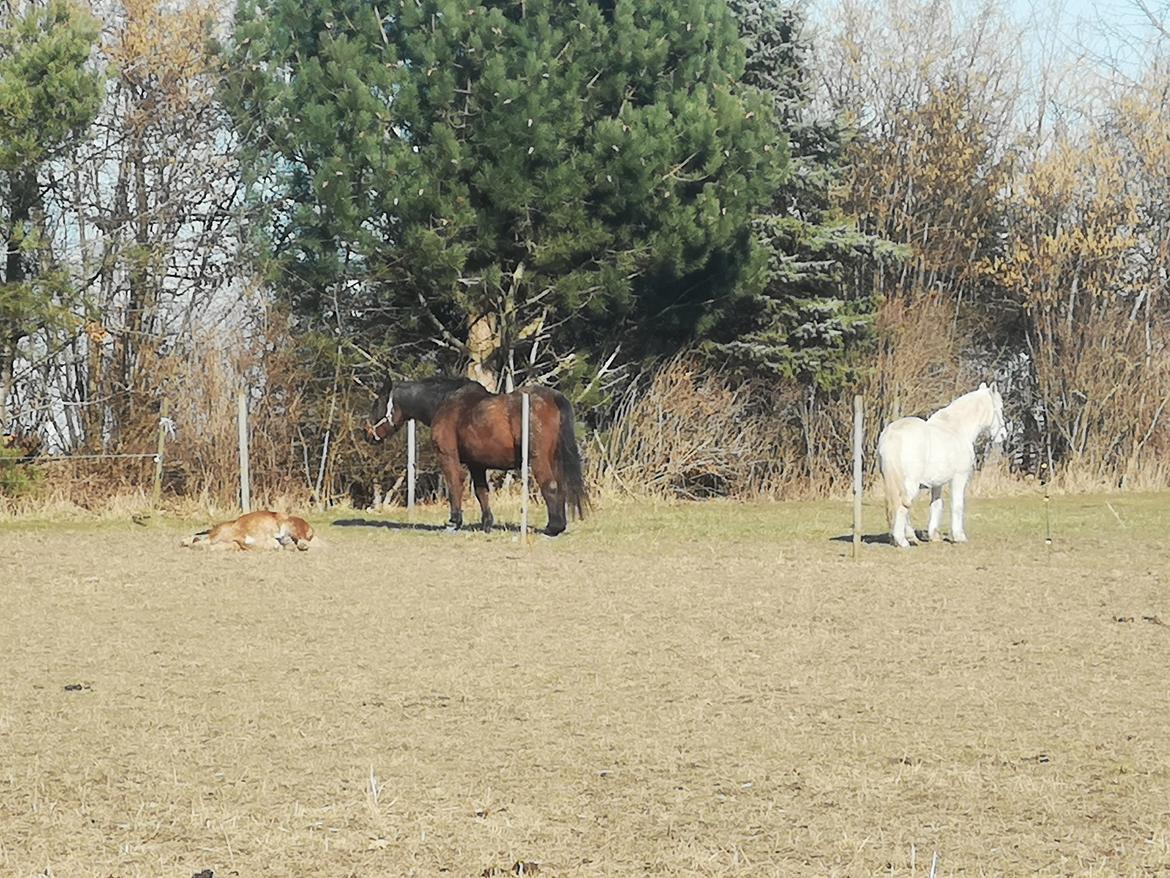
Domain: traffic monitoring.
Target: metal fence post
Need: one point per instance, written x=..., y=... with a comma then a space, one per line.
x=245, y=476
x=156, y=490
x=858, y=440
x=411, y=464
x=524, y=430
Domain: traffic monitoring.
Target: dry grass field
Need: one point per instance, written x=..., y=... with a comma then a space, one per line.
x=668, y=690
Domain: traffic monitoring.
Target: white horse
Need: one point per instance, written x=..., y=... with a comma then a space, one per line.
x=915, y=454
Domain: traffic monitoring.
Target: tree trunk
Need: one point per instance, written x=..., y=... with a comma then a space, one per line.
x=140, y=298
x=142, y=294
x=91, y=413
x=23, y=193
x=483, y=341
x=7, y=357
x=117, y=372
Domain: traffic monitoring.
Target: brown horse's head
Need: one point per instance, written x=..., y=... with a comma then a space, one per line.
x=385, y=418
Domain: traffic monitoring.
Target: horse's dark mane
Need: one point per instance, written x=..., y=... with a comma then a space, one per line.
x=435, y=383
x=420, y=399
x=442, y=383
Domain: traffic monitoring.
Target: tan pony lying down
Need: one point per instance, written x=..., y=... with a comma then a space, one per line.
x=255, y=530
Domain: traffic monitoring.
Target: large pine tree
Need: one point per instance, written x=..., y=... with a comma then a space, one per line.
x=492, y=176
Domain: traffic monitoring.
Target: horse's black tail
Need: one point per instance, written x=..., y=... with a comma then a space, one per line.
x=569, y=459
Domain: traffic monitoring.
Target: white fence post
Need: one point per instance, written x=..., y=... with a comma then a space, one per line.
x=245, y=476
x=524, y=430
x=163, y=423
x=858, y=440
x=411, y=464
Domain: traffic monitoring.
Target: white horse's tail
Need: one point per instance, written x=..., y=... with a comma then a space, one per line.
x=892, y=478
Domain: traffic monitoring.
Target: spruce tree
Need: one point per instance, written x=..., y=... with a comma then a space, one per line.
x=814, y=306
x=486, y=175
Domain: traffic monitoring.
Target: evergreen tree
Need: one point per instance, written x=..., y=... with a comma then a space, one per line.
x=48, y=97
x=493, y=176
x=814, y=304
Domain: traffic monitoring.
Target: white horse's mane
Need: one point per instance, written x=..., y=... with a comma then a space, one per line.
x=974, y=405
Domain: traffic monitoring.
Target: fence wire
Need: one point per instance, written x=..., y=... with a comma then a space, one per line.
x=65, y=458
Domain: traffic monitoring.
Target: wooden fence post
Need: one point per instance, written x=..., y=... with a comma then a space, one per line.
x=245, y=475
x=163, y=423
x=319, y=502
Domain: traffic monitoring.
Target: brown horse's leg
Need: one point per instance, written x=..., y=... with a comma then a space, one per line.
x=551, y=489
x=554, y=499
x=453, y=473
x=446, y=442
x=480, y=483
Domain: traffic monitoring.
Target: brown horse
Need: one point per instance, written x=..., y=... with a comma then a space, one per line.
x=472, y=426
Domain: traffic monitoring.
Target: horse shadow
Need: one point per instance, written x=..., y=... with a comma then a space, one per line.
x=503, y=527
x=883, y=539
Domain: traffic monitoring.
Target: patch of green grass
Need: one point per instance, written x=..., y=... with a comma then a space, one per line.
x=1019, y=519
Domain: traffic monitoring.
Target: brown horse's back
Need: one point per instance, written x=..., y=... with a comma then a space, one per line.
x=487, y=428
x=469, y=424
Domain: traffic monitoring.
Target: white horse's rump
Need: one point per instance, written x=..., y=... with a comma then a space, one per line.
x=916, y=454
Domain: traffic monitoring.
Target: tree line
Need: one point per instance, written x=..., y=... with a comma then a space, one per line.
x=645, y=205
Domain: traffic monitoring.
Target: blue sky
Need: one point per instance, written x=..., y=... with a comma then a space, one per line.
x=1111, y=30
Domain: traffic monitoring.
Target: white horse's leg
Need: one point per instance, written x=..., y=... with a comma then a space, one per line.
x=936, y=507
x=958, y=490
x=901, y=525
x=911, y=493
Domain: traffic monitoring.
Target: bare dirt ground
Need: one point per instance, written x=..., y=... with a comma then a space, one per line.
x=689, y=690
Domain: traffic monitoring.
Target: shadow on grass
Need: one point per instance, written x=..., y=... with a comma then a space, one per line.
x=420, y=526
x=882, y=539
